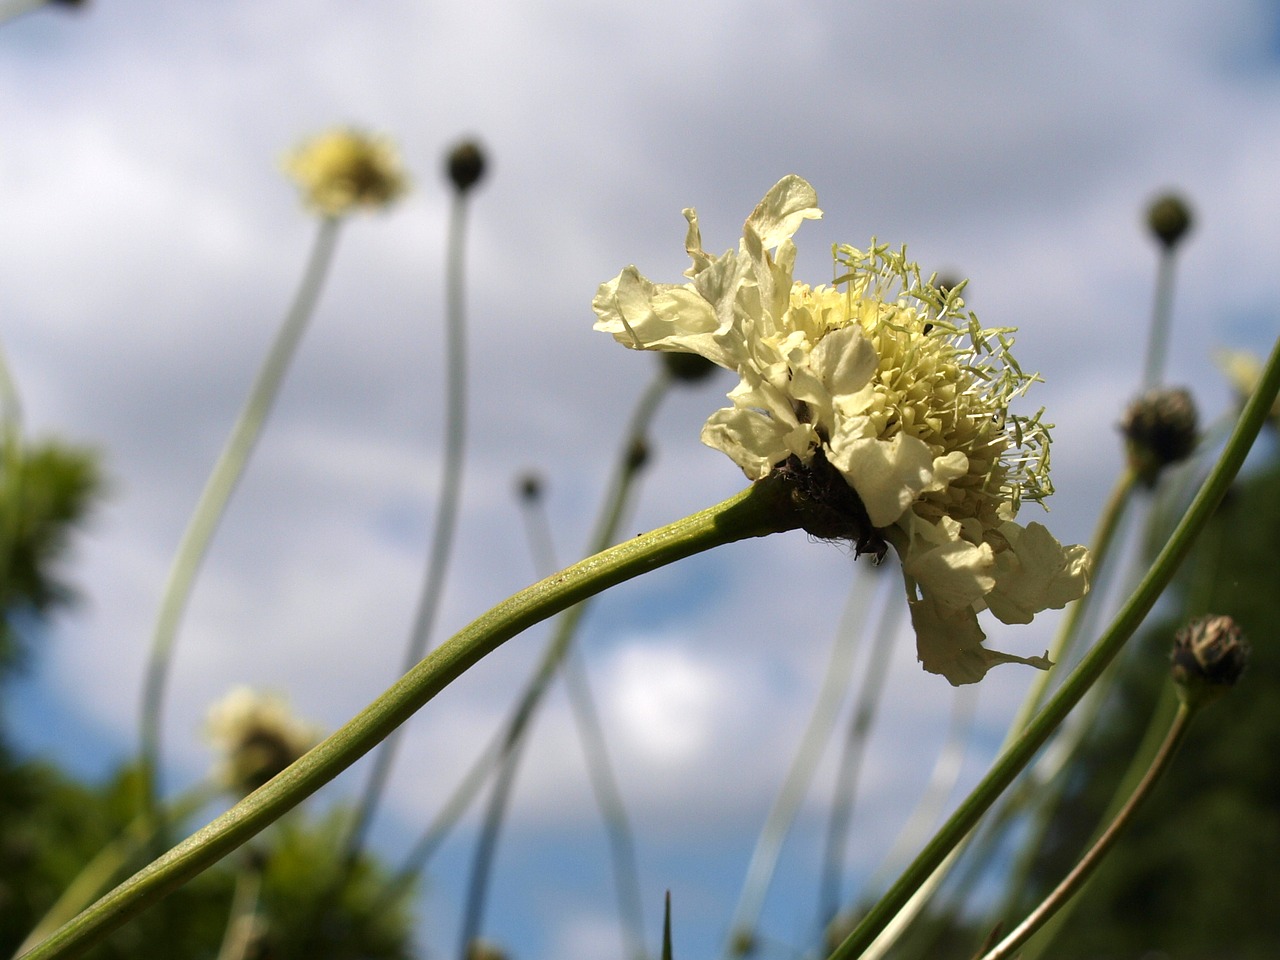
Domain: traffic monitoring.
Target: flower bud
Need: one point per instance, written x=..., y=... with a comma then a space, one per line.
x=1160, y=428
x=687, y=367
x=465, y=165
x=637, y=455
x=1209, y=654
x=530, y=487
x=1169, y=219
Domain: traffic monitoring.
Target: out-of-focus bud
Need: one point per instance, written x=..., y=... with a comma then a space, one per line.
x=687, y=367
x=637, y=455
x=1209, y=654
x=1169, y=219
x=530, y=487
x=1160, y=429
x=465, y=165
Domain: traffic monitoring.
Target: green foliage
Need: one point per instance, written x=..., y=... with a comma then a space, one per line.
x=46, y=490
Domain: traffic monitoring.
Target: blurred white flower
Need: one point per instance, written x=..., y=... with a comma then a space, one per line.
x=883, y=378
x=256, y=736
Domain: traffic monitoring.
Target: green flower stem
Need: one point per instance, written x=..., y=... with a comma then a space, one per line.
x=813, y=742
x=763, y=508
x=515, y=733
x=604, y=784
x=1080, y=874
x=1158, y=338
x=244, y=907
x=1078, y=683
x=10, y=401
x=212, y=505
x=455, y=419
x=12, y=9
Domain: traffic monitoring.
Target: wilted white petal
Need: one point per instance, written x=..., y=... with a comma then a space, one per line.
x=951, y=645
x=1036, y=573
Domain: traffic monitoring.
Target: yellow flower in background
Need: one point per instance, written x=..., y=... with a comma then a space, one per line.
x=1243, y=371
x=344, y=169
x=885, y=383
x=256, y=736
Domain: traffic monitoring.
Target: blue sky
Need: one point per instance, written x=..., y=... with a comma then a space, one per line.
x=150, y=244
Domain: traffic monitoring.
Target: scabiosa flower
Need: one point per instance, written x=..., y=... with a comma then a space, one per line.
x=887, y=403
x=344, y=169
x=256, y=736
x=1243, y=371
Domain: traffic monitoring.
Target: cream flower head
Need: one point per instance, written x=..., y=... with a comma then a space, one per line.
x=344, y=169
x=256, y=736
x=883, y=382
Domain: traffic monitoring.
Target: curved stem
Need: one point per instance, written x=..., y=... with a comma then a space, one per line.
x=455, y=418
x=765, y=507
x=12, y=9
x=1079, y=874
x=1082, y=678
x=212, y=505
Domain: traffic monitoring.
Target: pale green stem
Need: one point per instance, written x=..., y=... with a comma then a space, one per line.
x=942, y=780
x=212, y=505
x=1080, y=874
x=846, y=785
x=1038, y=730
x=98, y=872
x=515, y=734
x=604, y=784
x=455, y=420
x=765, y=507
x=10, y=401
x=1158, y=338
x=12, y=9
x=813, y=742
x=244, y=909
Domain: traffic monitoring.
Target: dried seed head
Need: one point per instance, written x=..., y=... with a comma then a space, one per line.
x=1160, y=428
x=465, y=165
x=1209, y=654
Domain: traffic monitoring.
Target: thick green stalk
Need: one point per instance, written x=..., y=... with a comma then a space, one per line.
x=1078, y=683
x=765, y=507
x=213, y=501
x=1080, y=874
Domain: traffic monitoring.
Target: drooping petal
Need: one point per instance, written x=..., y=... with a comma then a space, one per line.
x=950, y=644
x=1036, y=573
x=949, y=570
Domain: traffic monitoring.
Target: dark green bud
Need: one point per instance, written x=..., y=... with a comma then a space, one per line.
x=687, y=367
x=1160, y=428
x=465, y=165
x=529, y=487
x=1169, y=219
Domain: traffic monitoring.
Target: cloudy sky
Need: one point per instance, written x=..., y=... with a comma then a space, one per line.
x=149, y=245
